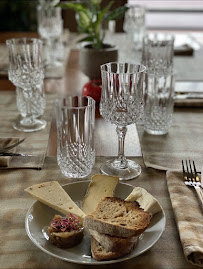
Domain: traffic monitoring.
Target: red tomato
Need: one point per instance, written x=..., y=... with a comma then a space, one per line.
x=93, y=89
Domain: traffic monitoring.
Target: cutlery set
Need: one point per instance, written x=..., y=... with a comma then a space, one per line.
x=192, y=179
x=15, y=154
x=5, y=150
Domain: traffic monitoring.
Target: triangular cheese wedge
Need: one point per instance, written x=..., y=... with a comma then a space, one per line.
x=53, y=195
x=145, y=200
x=101, y=186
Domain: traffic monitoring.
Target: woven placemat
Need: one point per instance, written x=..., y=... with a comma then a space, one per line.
x=183, y=141
x=36, y=142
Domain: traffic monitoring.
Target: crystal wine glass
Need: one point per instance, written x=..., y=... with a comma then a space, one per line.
x=26, y=72
x=122, y=104
x=50, y=28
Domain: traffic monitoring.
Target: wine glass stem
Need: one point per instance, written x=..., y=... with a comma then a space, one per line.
x=121, y=132
x=50, y=47
x=28, y=96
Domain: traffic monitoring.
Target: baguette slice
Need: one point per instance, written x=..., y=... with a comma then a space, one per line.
x=113, y=243
x=100, y=253
x=117, y=217
x=54, y=196
x=100, y=187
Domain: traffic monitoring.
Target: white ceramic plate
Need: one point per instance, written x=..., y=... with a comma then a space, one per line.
x=39, y=216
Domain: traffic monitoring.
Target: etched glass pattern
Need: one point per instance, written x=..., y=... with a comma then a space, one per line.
x=159, y=102
x=157, y=52
x=27, y=74
x=37, y=102
x=75, y=136
x=122, y=104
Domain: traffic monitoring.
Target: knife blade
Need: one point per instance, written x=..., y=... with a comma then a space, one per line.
x=15, y=154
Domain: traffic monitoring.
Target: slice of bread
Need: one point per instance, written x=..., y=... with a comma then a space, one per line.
x=100, y=187
x=100, y=253
x=117, y=217
x=113, y=243
x=53, y=195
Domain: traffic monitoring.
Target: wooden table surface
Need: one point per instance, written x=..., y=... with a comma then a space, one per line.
x=166, y=253
x=106, y=140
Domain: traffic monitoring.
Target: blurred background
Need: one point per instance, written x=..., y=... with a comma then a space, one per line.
x=20, y=15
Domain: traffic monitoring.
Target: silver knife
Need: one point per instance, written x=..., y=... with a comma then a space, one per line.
x=15, y=154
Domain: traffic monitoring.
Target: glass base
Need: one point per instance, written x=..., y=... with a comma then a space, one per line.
x=131, y=171
x=155, y=132
x=37, y=126
x=51, y=65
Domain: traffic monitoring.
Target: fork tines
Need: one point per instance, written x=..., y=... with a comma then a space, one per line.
x=190, y=173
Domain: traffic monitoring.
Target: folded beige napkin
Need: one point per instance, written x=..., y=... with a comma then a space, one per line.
x=191, y=102
x=189, y=217
x=6, y=142
x=183, y=50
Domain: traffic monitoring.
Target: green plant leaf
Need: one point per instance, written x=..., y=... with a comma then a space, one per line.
x=74, y=6
x=91, y=18
x=117, y=13
x=84, y=20
x=103, y=12
x=97, y=25
x=95, y=2
x=87, y=38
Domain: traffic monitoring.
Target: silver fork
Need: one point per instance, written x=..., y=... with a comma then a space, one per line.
x=192, y=179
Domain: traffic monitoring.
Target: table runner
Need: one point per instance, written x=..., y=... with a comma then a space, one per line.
x=36, y=142
x=183, y=141
x=18, y=252
x=188, y=68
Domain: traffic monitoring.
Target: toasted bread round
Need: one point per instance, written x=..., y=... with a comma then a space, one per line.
x=65, y=239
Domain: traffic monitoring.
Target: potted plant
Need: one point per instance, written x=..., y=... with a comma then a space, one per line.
x=93, y=21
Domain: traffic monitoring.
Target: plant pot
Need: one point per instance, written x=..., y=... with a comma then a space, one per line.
x=91, y=59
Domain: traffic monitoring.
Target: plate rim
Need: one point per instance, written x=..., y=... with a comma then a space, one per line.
x=121, y=259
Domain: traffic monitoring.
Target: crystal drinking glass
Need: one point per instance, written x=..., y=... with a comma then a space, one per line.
x=26, y=72
x=50, y=28
x=157, y=52
x=134, y=25
x=75, y=120
x=122, y=104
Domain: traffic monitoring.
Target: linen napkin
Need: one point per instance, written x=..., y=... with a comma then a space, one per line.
x=189, y=217
x=190, y=102
x=6, y=142
x=183, y=50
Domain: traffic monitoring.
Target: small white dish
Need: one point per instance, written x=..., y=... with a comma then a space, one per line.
x=39, y=216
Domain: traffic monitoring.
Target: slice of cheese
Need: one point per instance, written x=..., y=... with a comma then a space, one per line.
x=53, y=195
x=145, y=199
x=101, y=186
